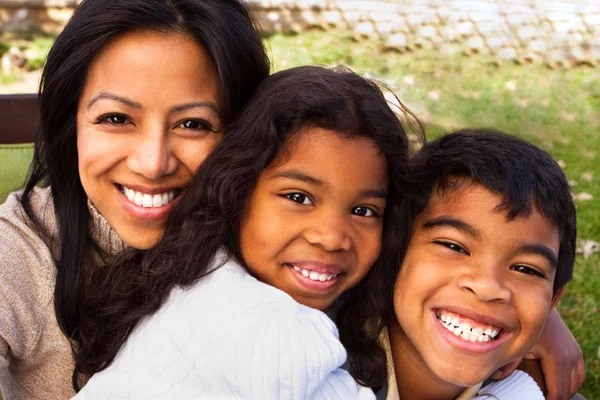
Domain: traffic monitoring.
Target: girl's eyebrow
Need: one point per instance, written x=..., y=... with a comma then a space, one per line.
x=299, y=176
x=133, y=104
x=303, y=177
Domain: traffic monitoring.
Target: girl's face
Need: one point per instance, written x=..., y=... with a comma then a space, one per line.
x=313, y=224
x=147, y=118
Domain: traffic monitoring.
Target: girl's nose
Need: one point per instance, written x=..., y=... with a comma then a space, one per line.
x=332, y=233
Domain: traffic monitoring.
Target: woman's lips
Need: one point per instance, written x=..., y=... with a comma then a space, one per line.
x=144, y=205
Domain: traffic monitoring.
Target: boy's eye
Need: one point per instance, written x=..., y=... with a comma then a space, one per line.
x=363, y=211
x=114, y=119
x=524, y=269
x=299, y=198
x=194, y=124
x=452, y=246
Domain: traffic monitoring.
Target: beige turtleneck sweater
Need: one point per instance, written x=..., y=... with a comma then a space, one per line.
x=35, y=357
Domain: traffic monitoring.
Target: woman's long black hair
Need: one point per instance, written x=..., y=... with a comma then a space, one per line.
x=223, y=27
x=209, y=213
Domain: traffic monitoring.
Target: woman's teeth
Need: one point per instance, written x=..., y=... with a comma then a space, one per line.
x=315, y=276
x=148, y=200
x=464, y=330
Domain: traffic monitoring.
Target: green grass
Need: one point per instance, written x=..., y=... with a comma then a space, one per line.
x=557, y=110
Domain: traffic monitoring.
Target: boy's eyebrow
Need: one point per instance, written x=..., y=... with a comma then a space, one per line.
x=301, y=176
x=540, y=250
x=448, y=222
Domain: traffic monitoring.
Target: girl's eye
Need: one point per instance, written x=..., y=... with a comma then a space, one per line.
x=452, y=246
x=195, y=124
x=114, y=119
x=524, y=269
x=363, y=211
x=299, y=198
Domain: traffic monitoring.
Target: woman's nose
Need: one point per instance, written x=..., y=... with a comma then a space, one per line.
x=151, y=156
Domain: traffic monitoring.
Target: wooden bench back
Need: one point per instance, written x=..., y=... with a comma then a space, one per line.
x=19, y=118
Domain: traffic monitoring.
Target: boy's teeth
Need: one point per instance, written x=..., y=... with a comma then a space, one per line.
x=464, y=329
x=148, y=200
x=314, y=275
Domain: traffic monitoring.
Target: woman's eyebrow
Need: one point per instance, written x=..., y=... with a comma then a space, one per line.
x=449, y=222
x=115, y=97
x=203, y=104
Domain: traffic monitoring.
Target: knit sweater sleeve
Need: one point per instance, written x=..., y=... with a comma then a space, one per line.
x=229, y=336
x=518, y=385
x=25, y=296
x=286, y=353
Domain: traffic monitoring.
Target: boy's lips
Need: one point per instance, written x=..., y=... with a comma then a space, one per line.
x=470, y=330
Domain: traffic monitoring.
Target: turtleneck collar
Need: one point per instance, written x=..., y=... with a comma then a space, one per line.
x=102, y=233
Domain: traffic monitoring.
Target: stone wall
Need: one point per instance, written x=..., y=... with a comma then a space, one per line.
x=559, y=33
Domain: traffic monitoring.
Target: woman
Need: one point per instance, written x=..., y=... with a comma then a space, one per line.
x=134, y=95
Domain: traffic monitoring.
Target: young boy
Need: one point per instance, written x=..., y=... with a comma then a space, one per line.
x=491, y=249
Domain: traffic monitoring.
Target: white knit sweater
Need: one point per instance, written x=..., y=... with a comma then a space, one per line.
x=229, y=336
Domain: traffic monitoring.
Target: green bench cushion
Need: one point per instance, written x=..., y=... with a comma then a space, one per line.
x=14, y=165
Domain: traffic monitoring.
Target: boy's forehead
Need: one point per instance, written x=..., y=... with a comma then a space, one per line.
x=454, y=196
x=474, y=209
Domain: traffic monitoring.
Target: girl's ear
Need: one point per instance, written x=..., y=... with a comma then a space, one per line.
x=559, y=293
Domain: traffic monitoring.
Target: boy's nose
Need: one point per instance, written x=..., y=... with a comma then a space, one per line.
x=486, y=283
x=152, y=157
x=330, y=233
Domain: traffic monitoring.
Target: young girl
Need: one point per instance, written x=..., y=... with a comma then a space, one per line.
x=296, y=197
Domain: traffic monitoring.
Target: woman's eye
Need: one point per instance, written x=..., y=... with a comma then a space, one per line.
x=452, y=246
x=524, y=269
x=299, y=198
x=195, y=124
x=114, y=119
x=363, y=211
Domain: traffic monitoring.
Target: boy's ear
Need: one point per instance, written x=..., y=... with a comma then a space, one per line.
x=559, y=293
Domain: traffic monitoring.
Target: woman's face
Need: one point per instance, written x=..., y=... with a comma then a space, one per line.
x=147, y=118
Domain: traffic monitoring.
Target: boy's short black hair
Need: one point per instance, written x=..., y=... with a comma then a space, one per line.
x=524, y=175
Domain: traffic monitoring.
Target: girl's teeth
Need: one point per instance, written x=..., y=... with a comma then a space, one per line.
x=314, y=275
x=148, y=200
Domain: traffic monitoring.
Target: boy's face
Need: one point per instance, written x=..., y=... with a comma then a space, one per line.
x=474, y=289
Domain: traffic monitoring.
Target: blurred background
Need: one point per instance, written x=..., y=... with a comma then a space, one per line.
x=528, y=67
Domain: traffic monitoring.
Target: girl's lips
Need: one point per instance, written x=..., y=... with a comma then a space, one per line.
x=313, y=285
x=147, y=213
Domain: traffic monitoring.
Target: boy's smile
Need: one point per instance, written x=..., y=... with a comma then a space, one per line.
x=475, y=288
x=313, y=224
